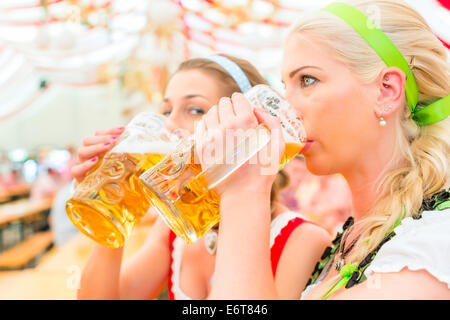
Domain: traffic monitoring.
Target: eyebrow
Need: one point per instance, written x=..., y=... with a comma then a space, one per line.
x=294, y=72
x=187, y=97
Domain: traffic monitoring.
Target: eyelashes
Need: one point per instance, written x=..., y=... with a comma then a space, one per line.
x=307, y=81
x=196, y=111
x=191, y=111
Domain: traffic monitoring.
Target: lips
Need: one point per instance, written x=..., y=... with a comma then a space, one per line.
x=307, y=146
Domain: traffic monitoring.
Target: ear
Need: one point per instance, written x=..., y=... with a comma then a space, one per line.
x=391, y=97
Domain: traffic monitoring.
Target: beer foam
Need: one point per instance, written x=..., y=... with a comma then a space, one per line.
x=135, y=144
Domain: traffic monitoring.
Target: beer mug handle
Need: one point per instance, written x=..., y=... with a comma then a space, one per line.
x=251, y=143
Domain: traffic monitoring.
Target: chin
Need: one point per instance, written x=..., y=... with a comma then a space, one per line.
x=319, y=166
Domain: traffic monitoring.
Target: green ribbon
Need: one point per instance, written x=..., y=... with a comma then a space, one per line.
x=444, y=205
x=392, y=57
x=346, y=273
x=434, y=112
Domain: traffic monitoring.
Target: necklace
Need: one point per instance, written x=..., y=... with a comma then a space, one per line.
x=211, y=241
x=327, y=260
x=342, y=251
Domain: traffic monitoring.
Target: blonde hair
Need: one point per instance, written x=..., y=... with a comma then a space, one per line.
x=422, y=153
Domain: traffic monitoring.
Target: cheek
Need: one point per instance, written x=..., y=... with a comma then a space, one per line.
x=179, y=121
x=187, y=125
x=334, y=119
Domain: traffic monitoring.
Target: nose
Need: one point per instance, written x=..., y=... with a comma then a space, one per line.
x=294, y=102
x=176, y=124
x=170, y=124
x=174, y=121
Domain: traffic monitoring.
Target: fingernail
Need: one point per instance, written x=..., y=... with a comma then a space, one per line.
x=114, y=137
x=120, y=128
x=107, y=143
x=94, y=159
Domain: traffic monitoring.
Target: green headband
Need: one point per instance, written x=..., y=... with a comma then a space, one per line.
x=389, y=53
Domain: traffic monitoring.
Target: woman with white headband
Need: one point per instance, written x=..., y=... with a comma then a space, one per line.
x=194, y=89
x=373, y=93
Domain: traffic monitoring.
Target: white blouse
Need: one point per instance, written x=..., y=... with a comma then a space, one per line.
x=422, y=244
x=418, y=244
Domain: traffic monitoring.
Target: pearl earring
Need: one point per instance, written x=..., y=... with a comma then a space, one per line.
x=382, y=122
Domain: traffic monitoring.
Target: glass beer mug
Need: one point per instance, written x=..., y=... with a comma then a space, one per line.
x=183, y=192
x=110, y=200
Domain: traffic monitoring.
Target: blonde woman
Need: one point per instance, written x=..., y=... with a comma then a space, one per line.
x=375, y=105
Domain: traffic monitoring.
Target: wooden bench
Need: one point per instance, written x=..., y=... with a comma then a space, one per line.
x=23, y=254
x=20, y=213
x=15, y=192
x=21, y=209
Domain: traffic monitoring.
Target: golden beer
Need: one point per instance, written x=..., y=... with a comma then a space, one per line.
x=290, y=151
x=182, y=191
x=110, y=200
x=107, y=204
x=185, y=199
